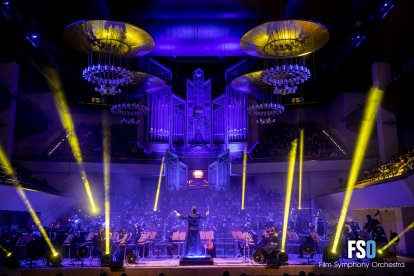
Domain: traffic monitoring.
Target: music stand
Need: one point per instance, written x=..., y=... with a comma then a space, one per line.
x=142, y=241
x=316, y=239
x=202, y=235
x=151, y=239
x=247, y=240
x=209, y=235
x=293, y=236
x=178, y=238
x=23, y=241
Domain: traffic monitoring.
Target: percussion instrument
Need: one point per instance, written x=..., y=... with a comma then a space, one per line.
x=82, y=251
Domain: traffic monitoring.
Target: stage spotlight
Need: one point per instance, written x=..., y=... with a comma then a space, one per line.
x=11, y=261
x=54, y=259
x=55, y=84
x=289, y=184
x=9, y=170
x=131, y=258
x=396, y=237
x=106, y=259
x=367, y=124
x=282, y=257
x=106, y=145
x=301, y=146
x=244, y=177
x=157, y=195
x=329, y=256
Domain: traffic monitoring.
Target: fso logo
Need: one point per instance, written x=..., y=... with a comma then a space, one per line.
x=363, y=249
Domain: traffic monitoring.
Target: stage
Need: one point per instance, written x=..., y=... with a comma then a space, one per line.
x=234, y=266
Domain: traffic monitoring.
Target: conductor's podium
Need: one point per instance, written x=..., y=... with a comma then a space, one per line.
x=196, y=260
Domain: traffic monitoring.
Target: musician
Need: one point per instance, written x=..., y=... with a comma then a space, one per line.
x=75, y=244
x=120, y=242
x=100, y=248
x=270, y=242
x=270, y=235
x=371, y=223
x=193, y=243
x=309, y=240
x=209, y=244
x=379, y=235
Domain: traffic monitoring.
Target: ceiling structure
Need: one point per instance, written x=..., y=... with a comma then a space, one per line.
x=192, y=34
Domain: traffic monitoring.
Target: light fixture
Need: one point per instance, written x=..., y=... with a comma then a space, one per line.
x=198, y=174
x=267, y=105
x=129, y=111
x=285, y=78
x=284, y=44
x=54, y=259
x=106, y=259
x=109, y=45
x=265, y=113
x=129, y=107
x=284, y=38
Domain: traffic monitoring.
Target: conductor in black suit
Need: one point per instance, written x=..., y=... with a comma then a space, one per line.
x=193, y=244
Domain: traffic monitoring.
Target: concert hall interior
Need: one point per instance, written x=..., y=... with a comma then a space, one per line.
x=232, y=137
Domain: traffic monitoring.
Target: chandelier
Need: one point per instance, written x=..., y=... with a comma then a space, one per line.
x=265, y=113
x=284, y=44
x=109, y=45
x=129, y=107
x=267, y=105
x=285, y=78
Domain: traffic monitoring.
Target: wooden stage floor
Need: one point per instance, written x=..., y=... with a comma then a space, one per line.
x=222, y=266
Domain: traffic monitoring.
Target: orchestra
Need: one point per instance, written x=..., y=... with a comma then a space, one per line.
x=141, y=238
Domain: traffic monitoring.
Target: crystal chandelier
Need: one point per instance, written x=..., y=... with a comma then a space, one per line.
x=265, y=113
x=106, y=75
x=284, y=44
x=109, y=45
x=266, y=105
x=129, y=107
x=285, y=78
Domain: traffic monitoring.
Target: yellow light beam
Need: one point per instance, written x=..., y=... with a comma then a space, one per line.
x=157, y=194
x=289, y=184
x=65, y=116
x=8, y=253
x=106, y=145
x=367, y=124
x=397, y=237
x=244, y=177
x=301, y=147
x=4, y=161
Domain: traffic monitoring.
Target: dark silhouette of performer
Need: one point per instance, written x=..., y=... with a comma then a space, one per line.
x=193, y=245
x=371, y=223
x=310, y=241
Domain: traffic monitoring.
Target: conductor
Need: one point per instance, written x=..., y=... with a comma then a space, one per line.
x=193, y=243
